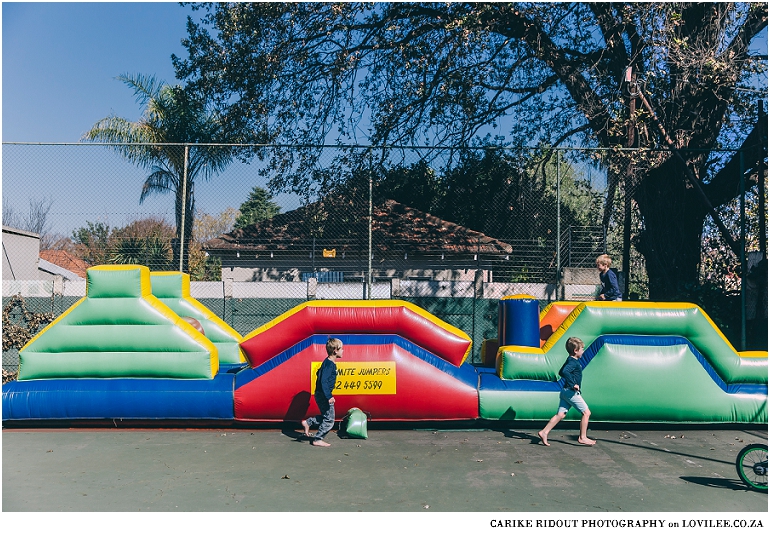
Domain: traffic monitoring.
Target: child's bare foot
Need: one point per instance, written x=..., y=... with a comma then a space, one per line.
x=586, y=441
x=543, y=437
x=306, y=428
x=320, y=443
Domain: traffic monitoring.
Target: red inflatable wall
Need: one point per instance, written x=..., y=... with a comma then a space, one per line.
x=387, y=380
x=357, y=317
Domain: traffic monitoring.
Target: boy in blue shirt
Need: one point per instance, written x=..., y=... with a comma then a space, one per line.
x=610, y=289
x=326, y=377
x=572, y=372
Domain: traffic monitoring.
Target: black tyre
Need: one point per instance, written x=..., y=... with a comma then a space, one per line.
x=751, y=465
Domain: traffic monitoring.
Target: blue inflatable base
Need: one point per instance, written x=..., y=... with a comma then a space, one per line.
x=140, y=399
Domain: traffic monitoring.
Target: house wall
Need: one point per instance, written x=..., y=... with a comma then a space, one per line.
x=290, y=273
x=21, y=250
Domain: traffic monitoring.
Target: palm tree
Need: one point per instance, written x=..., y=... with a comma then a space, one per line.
x=172, y=118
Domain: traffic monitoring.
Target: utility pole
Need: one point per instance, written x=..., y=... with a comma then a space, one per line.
x=630, y=81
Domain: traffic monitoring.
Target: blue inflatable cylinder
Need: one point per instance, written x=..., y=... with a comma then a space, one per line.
x=518, y=321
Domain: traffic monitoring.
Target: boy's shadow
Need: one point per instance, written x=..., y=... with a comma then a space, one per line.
x=296, y=412
x=533, y=437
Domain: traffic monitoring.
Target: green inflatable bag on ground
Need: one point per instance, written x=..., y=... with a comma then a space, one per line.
x=355, y=423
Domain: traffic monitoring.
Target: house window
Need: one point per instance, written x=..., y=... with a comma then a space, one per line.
x=324, y=276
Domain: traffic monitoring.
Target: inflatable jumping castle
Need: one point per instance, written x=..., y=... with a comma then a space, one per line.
x=128, y=352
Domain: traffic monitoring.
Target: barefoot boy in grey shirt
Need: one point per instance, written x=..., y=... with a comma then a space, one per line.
x=572, y=372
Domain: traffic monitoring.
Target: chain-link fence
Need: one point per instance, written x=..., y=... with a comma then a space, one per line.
x=496, y=210
x=452, y=230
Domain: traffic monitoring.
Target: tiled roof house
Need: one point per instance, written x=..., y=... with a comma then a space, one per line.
x=331, y=239
x=59, y=262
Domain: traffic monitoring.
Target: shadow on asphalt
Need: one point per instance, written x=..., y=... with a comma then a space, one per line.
x=299, y=436
x=536, y=440
x=717, y=483
x=760, y=432
x=295, y=435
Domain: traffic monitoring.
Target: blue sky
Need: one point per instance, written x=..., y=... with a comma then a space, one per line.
x=59, y=64
x=60, y=61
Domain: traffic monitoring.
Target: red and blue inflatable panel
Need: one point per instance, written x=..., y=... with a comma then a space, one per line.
x=400, y=364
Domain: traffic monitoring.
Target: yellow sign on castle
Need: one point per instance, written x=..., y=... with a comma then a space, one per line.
x=360, y=378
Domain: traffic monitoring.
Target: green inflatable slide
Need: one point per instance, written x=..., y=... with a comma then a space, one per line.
x=119, y=329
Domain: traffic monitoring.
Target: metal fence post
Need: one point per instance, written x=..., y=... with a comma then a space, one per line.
x=369, y=270
x=743, y=251
x=227, y=301
x=559, y=282
x=627, y=226
x=184, y=208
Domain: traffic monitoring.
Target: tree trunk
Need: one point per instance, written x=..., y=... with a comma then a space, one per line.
x=672, y=229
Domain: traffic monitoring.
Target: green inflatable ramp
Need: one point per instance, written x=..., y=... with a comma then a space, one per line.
x=173, y=289
x=119, y=329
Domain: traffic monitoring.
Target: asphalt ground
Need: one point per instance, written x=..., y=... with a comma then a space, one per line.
x=681, y=473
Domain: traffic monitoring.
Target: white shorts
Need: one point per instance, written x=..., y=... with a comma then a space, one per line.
x=569, y=397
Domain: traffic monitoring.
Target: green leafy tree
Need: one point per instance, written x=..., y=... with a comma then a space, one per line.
x=402, y=73
x=511, y=194
x=418, y=185
x=502, y=193
x=150, y=251
x=209, y=268
x=146, y=242
x=92, y=242
x=171, y=116
x=258, y=207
